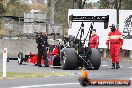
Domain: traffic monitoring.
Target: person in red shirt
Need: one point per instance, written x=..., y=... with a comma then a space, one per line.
x=115, y=42
x=94, y=39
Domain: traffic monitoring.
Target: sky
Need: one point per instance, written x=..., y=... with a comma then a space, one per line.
x=93, y=0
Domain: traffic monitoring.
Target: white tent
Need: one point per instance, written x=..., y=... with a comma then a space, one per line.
x=33, y=10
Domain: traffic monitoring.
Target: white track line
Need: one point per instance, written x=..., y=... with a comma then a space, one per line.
x=104, y=65
x=79, y=73
x=61, y=75
x=121, y=66
x=130, y=79
x=46, y=85
x=130, y=67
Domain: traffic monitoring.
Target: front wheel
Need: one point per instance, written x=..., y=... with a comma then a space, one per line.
x=20, y=58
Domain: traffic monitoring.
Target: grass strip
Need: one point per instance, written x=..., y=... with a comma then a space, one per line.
x=16, y=75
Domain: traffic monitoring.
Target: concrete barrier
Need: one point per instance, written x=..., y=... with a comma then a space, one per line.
x=26, y=46
x=16, y=45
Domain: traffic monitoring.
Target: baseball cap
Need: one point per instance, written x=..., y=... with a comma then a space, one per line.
x=112, y=25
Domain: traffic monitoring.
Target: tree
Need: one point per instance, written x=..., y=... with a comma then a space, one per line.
x=2, y=12
x=15, y=8
x=123, y=4
x=61, y=10
x=39, y=6
x=116, y=4
x=80, y=3
x=126, y=4
x=104, y=4
x=2, y=9
x=88, y=5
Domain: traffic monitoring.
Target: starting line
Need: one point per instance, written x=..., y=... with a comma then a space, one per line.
x=47, y=85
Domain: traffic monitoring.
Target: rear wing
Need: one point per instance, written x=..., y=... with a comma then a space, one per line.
x=104, y=19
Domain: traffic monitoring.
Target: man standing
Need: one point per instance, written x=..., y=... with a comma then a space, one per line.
x=94, y=39
x=42, y=41
x=115, y=41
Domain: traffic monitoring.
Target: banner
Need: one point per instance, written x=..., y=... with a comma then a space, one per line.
x=125, y=26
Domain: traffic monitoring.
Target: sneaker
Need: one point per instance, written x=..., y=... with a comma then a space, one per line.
x=117, y=65
x=113, y=66
x=46, y=65
x=35, y=64
x=40, y=65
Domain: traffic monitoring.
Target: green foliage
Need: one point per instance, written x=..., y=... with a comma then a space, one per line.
x=49, y=3
x=39, y=6
x=89, y=5
x=62, y=7
x=2, y=9
x=104, y=4
x=16, y=75
x=126, y=4
x=80, y=4
x=61, y=12
x=15, y=8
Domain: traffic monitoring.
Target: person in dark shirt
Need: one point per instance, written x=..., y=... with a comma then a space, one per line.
x=42, y=41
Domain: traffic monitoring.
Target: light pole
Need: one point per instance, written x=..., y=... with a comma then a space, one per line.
x=117, y=10
x=52, y=10
x=117, y=6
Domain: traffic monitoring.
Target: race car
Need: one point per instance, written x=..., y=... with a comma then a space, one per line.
x=52, y=55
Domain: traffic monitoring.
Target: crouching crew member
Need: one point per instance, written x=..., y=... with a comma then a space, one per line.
x=115, y=42
x=94, y=39
x=42, y=41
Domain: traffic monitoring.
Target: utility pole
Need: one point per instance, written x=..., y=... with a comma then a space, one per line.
x=117, y=7
x=117, y=10
x=52, y=11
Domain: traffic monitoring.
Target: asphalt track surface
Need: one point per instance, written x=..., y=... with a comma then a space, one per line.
x=64, y=81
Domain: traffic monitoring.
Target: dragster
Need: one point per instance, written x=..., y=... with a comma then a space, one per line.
x=72, y=54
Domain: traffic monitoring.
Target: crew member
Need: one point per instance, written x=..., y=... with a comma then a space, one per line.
x=94, y=39
x=115, y=41
x=42, y=42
